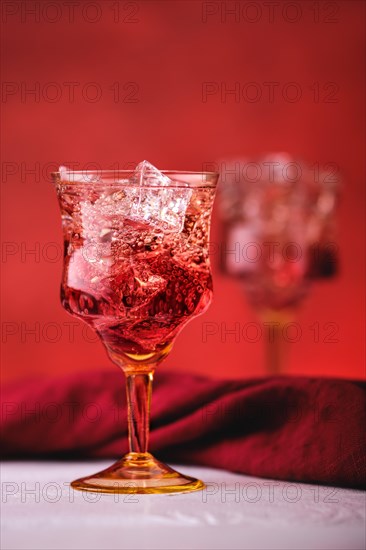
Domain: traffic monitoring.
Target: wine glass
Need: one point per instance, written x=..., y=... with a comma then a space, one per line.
x=136, y=269
x=278, y=223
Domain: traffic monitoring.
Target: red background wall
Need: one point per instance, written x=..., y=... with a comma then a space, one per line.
x=161, y=53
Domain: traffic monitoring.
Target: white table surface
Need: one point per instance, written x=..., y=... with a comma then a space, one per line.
x=40, y=510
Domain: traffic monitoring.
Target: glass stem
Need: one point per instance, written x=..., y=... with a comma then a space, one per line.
x=275, y=350
x=138, y=388
x=276, y=346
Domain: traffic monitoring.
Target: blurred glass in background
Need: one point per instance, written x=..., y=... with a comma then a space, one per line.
x=278, y=235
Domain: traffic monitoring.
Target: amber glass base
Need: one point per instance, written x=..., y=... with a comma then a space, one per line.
x=138, y=473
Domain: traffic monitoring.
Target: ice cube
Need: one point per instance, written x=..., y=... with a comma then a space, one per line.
x=156, y=200
x=146, y=174
x=150, y=198
x=102, y=219
x=137, y=285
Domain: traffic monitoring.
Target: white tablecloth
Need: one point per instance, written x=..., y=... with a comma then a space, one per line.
x=39, y=511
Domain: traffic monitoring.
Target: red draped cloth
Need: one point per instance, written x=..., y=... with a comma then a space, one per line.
x=288, y=428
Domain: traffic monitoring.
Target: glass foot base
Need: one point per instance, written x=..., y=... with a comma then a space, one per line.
x=138, y=473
